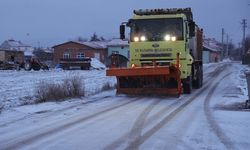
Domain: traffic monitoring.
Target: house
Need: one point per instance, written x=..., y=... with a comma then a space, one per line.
x=80, y=50
x=44, y=54
x=121, y=49
x=11, y=56
x=12, y=44
x=211, y=51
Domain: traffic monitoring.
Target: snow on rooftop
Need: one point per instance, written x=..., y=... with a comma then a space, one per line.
x=13, y=44
x=94, y=44
x=210, y=48
x=97, y=44
x=118, y=42
x=212, y=45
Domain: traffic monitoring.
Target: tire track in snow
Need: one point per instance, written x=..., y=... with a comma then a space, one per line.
x=30, y=116
x=24, y=140
x=136, y=130
x=151, y=119
x=137, y=142
x=160, y=113
x=226, y=141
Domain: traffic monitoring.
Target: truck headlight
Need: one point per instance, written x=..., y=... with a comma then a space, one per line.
x=167, y=37
x=143, y=38
x=136, y=39
x=173, y=38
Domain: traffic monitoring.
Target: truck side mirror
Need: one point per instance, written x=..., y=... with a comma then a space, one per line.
x=191, y=29
x=122, y=31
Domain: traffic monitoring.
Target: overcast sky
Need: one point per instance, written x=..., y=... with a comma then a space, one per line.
x=50, y=22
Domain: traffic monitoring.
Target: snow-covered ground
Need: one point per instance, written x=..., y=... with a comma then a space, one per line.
x=18, y=87
x=229, y=111
x=210, y=118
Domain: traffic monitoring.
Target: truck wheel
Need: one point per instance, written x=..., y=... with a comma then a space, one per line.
x=187, y=85
x=27, y=66
x=44, y=67
x=199, y=78
x=36, y=66
x=198, y=82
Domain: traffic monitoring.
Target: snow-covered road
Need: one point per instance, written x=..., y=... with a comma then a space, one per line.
x=200, y=120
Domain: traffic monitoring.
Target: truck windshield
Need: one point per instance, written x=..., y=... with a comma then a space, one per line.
x=157, y=29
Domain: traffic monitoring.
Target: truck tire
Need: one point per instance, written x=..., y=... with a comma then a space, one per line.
x=199, y=79
x=201, y=76
x=45, y=67
x=187, y=85
x=36, y=66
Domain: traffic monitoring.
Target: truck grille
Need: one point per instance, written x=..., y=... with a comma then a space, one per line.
x=157, y=55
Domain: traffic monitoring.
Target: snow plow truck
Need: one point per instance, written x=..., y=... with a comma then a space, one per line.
x=165, y=48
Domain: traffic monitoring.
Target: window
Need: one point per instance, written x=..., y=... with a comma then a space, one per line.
x=66, y=55
x=12, y=58
x=97, y=56
x=115, y=52
x=80, y=55
x=156, y=29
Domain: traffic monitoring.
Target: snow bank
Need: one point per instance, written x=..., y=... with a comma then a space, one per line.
x=242, y=82
x=227, y=60
x=234, y=89
x=96, y=64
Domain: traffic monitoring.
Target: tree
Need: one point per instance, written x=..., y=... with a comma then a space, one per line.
x=94, y=37
x=102, y=38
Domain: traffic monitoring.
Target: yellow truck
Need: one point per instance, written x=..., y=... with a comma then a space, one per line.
x=165, y=47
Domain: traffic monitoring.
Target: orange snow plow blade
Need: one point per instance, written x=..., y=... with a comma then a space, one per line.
x=156, y=80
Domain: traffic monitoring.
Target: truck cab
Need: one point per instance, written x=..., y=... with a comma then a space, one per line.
x=163, y=38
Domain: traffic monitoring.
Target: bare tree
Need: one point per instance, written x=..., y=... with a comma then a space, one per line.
x=94, y=37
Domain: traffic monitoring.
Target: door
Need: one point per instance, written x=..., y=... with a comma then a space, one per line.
x=97, y=56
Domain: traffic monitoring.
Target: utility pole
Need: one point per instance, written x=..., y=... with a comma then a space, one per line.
x=227, y=47
x=239, y=50
x=222, y=41
x=244, y=26
x=230, y=47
